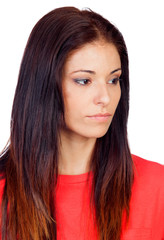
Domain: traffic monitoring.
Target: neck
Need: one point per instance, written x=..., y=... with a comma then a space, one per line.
x=75, y=153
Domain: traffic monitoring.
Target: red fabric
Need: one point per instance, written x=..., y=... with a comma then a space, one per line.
x=146, y=207
x=147, y=202
x=146, y=222
x=74, y=218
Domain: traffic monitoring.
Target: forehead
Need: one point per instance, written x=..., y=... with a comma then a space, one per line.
x=93, y=55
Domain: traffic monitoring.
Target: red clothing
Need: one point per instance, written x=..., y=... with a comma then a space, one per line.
x=147, y=202
x=74, y=218
x=146, y=207
x=146, y=221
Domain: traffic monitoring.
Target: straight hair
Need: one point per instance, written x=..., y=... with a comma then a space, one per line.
x=30, y=163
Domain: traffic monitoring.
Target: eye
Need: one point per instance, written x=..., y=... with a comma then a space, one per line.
x=82, y=81
x=114, y=81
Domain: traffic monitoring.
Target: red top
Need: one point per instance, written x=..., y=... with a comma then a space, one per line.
x=146, y=222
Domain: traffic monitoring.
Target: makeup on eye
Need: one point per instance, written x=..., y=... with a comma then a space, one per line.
x=86, y=81
x=114, y=80
x=82, y=81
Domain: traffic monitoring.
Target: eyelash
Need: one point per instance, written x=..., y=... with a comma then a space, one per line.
x=115, y=80
x=82, y=81
x=86, y=81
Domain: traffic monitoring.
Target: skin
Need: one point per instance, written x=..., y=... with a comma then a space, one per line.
x=90, y=86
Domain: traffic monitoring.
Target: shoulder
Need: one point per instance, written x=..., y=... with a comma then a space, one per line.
x=145, y=167
x=148, y=174
x=147, y=200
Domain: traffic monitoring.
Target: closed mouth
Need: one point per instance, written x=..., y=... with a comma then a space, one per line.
x=100, y=117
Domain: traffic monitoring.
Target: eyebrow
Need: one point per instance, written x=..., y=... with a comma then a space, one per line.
x=118, y=69
x=93, y=72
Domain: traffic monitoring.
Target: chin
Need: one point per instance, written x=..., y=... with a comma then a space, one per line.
x=100, y=135
x=96, y=134
x=87, y=132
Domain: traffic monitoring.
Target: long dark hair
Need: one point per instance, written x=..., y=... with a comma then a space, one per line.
x=30, y=163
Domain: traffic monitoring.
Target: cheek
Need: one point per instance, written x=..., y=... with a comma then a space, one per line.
x=116, y=97
x=72, y=103
x=119, y=95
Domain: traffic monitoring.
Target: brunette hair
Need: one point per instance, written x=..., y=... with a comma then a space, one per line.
x=30, y=163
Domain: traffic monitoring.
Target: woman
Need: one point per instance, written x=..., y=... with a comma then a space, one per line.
x=68, y=172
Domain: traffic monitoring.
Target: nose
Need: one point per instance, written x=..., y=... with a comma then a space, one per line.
x=102, y=95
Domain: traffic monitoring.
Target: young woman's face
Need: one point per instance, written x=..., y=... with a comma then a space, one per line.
x=91, y=89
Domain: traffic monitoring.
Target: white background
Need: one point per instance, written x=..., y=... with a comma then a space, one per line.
x=142, y=24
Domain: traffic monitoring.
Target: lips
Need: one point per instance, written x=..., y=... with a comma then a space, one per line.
x=100, y=117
